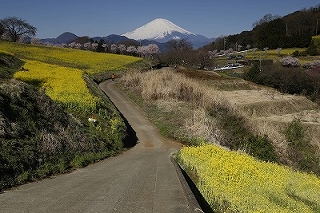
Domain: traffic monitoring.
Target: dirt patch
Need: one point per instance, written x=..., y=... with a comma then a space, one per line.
x=254, y=96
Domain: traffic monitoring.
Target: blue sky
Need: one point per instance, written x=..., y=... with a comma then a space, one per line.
x=210, y=18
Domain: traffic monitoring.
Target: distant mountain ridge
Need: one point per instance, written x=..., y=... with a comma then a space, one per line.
x=158, y=31
x=113, y=38
x=64, y=38
x=163, y=30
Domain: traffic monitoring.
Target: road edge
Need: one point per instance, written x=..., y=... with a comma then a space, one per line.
x=194, y=203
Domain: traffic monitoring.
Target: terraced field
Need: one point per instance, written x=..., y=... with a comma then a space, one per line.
x=270, y=111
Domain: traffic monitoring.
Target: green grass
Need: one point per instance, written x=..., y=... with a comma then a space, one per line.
x=273, y=54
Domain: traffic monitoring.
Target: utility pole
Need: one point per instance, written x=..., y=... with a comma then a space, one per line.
x=260, y=60
x=224, y=43
x=317, y=26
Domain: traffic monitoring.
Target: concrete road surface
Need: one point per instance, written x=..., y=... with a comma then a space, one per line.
x=142, y=179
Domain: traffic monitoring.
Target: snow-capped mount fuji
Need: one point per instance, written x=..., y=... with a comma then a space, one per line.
x=158, y=29
x=163, y=30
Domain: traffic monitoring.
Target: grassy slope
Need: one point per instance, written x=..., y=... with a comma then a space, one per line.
x=37, y=137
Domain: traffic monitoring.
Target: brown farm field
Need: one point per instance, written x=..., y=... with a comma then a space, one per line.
x=265, y=106
x=270, y=112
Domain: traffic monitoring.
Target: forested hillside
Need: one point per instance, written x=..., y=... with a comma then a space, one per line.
x=292, y=30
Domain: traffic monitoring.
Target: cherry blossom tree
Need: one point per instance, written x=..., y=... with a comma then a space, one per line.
x=142, y=51
x=105, y=47
x=48, y=44
x=75, y=45
x=122, y=48
x=149, y=50
x=212, y=54
x=35, y=41
x=87, y=46
x=290, y=62
x=114, y=48
x=152, y=49
x=94, y=46
x=131, y=50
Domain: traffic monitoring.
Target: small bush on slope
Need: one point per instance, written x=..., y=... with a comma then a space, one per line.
x=8, y=65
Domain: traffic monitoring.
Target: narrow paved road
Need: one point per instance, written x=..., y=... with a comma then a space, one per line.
x=142, y=179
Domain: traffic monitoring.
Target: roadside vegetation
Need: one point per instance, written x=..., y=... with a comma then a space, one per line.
x=207, y=108
x=60, y=120
x=236, y=182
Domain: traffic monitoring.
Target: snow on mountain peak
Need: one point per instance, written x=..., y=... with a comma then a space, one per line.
x=156, y=29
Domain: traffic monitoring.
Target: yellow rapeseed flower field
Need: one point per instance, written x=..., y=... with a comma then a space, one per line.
x=88, y=61
x=235, y=182
x=64, y=85
x=59, y=71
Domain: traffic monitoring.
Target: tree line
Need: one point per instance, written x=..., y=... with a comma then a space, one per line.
x=272, y=31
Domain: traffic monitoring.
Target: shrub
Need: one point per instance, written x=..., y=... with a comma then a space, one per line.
x=82, y=160
x=9, y=65
x=307, y=65
x=237, y=136
x=301, y=151
x=253, y=74
x=316, y=64
x=290, y=62
x=314, y=47
x=296, y=53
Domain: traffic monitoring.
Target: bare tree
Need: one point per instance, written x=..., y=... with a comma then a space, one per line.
x=265, y=19
x=179, y=44
x=202, y=59
x=178, y=52
x=15, y=28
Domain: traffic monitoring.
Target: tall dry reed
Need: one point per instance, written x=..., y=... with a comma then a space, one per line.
x=166, y=85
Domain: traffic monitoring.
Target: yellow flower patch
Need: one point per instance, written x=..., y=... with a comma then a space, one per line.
x=64, y=85
x=235, y=182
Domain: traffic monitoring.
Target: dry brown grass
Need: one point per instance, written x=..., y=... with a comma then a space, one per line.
x=169, y=90
x=267, y=111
